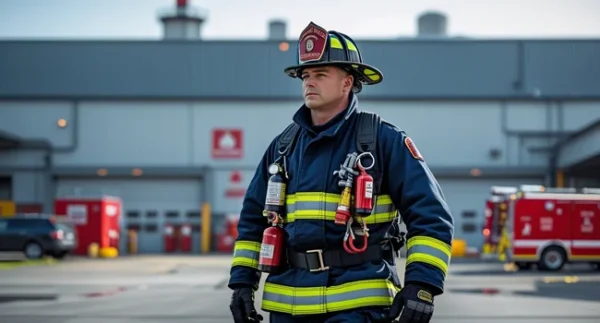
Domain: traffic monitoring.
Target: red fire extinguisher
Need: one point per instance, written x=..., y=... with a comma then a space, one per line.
x=272, y=246
x=363, y=200
x=272, y=243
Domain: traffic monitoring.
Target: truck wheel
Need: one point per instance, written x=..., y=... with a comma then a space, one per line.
x=33, y=250
x=553, y=259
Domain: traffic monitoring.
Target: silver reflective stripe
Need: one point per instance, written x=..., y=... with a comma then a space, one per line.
x=293, y=300
x=384, y=208
x=429, y=251
x=371, y=292
x=318, y=300
x=245, y=253
x=312, y=206
x=331, y=207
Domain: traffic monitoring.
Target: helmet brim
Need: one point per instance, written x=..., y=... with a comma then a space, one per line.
x=367, y=74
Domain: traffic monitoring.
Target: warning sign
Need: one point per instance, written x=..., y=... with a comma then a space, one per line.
x=227, y=143
x=77, y=214
x=236, y=188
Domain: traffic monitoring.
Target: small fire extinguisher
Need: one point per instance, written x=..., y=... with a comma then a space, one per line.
x=342, y=213
x=272, y=246
x=346, y=174
x=363, y=200
x=276, y=187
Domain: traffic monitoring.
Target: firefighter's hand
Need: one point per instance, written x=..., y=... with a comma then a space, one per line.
x=242, y=306
x=416, y=304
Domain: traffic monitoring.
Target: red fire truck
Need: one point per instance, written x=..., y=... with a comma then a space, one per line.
x=494, y=209
x=552, y=226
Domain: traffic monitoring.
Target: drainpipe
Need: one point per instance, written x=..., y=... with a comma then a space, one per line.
x=49, y=151
x=521, y=135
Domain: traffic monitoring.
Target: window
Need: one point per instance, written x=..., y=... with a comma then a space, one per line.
x=469, y=228
x=133, y=214
x=193, y=214
x=469, y=214
x=172, y=214
x=151, y=214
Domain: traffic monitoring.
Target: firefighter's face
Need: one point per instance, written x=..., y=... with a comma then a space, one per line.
x=324, y=86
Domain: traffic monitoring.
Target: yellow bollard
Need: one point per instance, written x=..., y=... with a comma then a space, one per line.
x=93, y=250
x=459, y=248
x=133, y=245
x=109, y=252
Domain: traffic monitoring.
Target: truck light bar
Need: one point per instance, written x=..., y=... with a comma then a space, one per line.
x=503, y=189
x=532, y=188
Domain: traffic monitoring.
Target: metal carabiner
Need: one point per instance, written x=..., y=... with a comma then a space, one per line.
x=349, y=237
x=359, y=161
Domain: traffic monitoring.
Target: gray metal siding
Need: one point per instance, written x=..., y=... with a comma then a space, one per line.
x=562, y=68
x=254, y=69
x=178, y=134
x=442, y=69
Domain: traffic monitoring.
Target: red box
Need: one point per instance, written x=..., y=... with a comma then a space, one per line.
x=96, y=220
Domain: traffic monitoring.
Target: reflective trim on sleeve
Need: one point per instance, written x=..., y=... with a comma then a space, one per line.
x=246, y=253
x=428, y=250
x=322, y=206
x=319, y=300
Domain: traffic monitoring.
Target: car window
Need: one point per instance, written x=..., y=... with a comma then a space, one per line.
x=63, y=227
x=3, y=225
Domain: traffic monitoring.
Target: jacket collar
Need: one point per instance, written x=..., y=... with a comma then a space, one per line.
x=303, y=119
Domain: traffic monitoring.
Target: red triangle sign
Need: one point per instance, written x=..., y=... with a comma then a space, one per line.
x=236, y=177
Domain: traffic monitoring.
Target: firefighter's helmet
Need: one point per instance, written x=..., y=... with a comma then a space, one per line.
x=319, y=47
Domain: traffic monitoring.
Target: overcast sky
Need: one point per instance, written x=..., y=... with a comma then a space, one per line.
x=244, y=19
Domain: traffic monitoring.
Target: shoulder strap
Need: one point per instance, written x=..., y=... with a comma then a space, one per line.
x=367, y=131
x=287, y=139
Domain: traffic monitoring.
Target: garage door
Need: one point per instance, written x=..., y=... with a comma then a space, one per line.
x=466, y=199
x=148, y=204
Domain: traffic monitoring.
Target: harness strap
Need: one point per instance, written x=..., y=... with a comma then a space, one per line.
x=287, y=139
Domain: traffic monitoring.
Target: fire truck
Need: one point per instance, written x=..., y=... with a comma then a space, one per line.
x=550, y=227
x=492, y=230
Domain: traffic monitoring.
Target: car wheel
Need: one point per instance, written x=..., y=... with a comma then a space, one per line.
x=553, y=259
x=33, y=250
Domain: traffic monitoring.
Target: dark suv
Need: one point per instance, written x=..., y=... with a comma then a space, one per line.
x=36, y=236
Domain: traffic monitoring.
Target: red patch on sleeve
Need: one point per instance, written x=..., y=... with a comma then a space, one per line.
x=410, y=144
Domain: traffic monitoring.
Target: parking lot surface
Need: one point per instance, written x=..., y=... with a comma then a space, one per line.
x=180, y=289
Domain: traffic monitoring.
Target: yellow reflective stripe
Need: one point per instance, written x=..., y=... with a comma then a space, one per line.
x=246, y=253
x=335, y=43
x=322, y=206
x=428, y=250
x=319, y=300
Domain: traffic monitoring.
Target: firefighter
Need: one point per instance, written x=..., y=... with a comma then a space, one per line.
x=327, y=257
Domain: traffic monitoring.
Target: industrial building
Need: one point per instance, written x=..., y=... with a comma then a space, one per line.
x=172, y=123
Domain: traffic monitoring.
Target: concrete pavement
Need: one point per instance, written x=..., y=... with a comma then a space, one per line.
x=179, y=289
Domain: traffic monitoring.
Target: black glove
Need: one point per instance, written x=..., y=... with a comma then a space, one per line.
x=416, y=304
x=242, y=306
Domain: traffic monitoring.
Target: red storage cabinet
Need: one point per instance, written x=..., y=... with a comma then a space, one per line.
x=96, y=220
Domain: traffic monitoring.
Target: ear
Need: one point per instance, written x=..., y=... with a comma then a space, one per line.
x=349, y=81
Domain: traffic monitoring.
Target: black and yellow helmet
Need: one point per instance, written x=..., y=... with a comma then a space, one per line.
x=319, y=47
